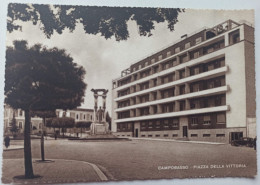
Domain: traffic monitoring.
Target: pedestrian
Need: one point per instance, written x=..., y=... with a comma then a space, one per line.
x=254, y=143
x=7, y=141
x=55, y=135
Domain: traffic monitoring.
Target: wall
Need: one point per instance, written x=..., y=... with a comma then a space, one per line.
x=235, y=78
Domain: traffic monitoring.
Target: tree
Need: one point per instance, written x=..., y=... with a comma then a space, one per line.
x=108, y=21
x=14, y=129
x=43, y=115
x=62, y=123
x=83, y=124
x=41, y=79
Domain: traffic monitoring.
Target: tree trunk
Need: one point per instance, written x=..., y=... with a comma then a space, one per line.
x=27, y=147
x=42, y=141
x=81, y=131
x=42, y=147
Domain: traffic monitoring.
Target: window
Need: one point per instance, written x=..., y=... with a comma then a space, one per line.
x=182, y=73
x=198, y=40
x=174, y=135
x=194, y=121
x=77, y=116
x=168, y=53
x=194, y=135
x=129, y=126
x=187, y=45
x=220, y=135
x=153, y=61
x=157, y=124
x=20, y=124
x=182, y=89
x=160, y=57
x=196, y=54
x=155, y=69
x=140, y=66
x=234, y=37
x=175, y=122
x=221, y=118
x=146, y=63
x=20, y=113
x=182, y=105
x=206, y=120
x=150, y=125
x=165, y=135
x=177, y=50
x=114, y=85
x=206, y=135
x=166, y=123
x=84, y=116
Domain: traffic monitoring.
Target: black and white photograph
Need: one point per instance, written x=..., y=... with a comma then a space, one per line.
x=98, y=93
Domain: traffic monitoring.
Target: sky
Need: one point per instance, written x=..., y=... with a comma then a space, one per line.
x=104, y=59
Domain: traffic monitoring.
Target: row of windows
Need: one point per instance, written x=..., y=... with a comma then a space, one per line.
x=76, y=116
x=195, y=70
x=176, y=135
x=207, y=135
x=196, y=103
x=162, y=124
x=176, y=50
x=173, y=62
x=234, y=37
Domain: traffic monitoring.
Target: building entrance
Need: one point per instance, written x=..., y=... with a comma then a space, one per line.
x=185, y=131
x=136, y=132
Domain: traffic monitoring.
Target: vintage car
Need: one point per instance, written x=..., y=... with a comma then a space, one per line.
x=244, y=141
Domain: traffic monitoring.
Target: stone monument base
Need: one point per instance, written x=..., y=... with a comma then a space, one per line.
x=99, y=128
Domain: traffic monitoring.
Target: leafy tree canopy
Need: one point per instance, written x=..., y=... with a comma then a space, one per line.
x=108, y=21
x=44, y=114
x=41, y=79
x=63, y=122
x=83, y=124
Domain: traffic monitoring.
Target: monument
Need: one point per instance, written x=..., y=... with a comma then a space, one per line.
x=99, y=125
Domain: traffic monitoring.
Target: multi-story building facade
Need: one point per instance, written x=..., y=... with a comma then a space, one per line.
x=79, y=114
x=202, y=88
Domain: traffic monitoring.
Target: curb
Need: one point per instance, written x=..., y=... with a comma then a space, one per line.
x=179, y=141
x=100, y=174
x=8, y=149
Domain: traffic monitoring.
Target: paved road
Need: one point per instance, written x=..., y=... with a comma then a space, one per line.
x=142, y=159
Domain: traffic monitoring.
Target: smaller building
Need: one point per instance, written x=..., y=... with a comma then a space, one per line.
x=18, y=114
x=79, y=114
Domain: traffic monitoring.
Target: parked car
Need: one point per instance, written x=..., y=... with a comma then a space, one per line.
x=244, y=141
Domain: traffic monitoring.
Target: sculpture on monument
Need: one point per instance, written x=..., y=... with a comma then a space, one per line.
x=99, y=126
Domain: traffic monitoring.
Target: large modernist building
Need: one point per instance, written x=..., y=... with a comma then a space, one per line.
x=202, y=87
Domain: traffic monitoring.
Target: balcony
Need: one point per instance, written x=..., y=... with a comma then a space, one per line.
x=176, y=114
x=214, y=91
x=201, y=76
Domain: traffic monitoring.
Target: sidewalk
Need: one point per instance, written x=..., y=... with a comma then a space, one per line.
x=178, y=141
x=57, y=171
